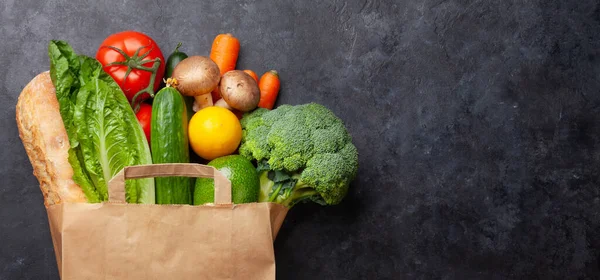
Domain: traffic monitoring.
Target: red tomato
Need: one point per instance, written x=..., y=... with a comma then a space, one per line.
x=144, y=116
x=135, y=52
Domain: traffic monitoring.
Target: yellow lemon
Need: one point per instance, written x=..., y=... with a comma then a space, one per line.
x=214, y=132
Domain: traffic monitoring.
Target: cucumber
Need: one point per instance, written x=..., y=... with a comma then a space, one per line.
x=172, y=61
x=169, y=144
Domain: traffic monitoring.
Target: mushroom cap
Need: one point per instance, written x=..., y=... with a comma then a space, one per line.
x=196, y=75
x=239, y=90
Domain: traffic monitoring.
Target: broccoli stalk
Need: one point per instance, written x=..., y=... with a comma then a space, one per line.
x=288, y=190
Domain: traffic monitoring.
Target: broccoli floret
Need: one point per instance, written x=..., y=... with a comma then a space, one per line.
x=254, y=138
x=303, y=152
x=254, y=119
x=289, y=140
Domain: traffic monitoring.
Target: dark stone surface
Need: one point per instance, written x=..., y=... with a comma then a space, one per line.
x=478, y=124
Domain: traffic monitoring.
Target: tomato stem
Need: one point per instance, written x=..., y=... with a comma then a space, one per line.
x=115, y=63
x=144, y=55
x=119, y=51
x=136, y=61
x=150, y=88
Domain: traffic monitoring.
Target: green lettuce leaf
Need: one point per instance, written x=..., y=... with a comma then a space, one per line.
x=106, y=134
x=81, y=177
x=64, y=71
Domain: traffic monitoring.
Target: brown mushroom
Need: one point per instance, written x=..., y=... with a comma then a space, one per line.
x=239, y=90
x=196, y=76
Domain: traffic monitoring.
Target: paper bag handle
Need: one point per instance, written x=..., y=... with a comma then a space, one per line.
x=116, y=186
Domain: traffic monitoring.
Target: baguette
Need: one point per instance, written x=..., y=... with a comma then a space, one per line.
x=46, y=141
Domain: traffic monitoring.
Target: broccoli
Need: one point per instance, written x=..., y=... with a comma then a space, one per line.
x=302, y=152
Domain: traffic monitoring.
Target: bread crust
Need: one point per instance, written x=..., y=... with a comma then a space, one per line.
x=46, y=141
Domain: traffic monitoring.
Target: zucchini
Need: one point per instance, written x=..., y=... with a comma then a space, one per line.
x=169, y=144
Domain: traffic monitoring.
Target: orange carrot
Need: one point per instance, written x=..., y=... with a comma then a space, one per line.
x=252, y=74
x=224, y=52
x=269, y=89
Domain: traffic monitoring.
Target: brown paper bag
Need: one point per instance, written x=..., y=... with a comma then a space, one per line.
x=116, y=240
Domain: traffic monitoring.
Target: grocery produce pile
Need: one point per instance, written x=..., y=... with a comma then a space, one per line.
x=131, y=105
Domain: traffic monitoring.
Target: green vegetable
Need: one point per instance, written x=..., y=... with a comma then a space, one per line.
x=169, y=142
x=64, y=72
x=103, y=131
x=303, y=152
x=242, y=174
x=172, y=61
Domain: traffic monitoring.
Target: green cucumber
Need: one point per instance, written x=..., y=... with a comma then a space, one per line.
x=169, y=144
x=172, y=61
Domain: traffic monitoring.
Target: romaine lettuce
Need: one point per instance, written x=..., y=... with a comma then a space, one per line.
x=104, y=133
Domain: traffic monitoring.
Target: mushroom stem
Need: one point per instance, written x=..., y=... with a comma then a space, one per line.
x=222, y=103
x=202, y=101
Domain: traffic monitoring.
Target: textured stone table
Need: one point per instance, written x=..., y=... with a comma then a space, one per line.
x=478, y=125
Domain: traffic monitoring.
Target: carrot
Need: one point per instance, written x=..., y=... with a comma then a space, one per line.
x=252, y=74
x=224, y=52
x=269, y=89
